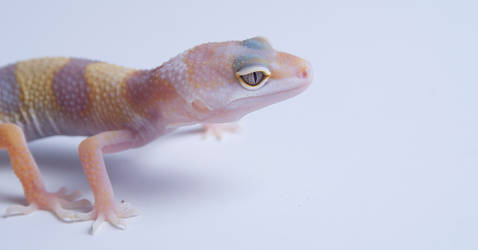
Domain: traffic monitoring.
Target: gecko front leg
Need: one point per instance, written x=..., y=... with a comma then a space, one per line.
x=25, y=168
x=91, y=155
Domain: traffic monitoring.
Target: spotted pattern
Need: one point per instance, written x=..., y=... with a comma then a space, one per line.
x=138, y=88
x=109, y=109
x=39, y=113
x=9, y=91
x=208, y=68
x=35, y=78
x=143, y=89
x=70, y=88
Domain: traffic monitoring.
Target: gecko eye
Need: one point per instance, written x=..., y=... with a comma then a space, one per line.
x=253, y=77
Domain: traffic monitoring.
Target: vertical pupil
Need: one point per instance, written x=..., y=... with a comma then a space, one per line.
x=253, y=78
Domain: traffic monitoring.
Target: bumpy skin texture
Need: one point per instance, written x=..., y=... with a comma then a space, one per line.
x=120, y=108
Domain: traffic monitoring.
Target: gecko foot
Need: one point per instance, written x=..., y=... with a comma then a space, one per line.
x=219, y=129
x=114, y=216
x=59, y=203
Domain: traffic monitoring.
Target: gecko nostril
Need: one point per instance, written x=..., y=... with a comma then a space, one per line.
x=303, y=72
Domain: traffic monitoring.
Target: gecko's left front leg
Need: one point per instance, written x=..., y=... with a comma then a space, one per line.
x=219, y=129
x=91, y=155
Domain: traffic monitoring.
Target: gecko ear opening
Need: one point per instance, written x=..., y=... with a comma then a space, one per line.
x=200, y=106
x=253, y=77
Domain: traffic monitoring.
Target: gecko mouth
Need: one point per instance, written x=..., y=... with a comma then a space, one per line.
x=236, y=109
x=256, y=102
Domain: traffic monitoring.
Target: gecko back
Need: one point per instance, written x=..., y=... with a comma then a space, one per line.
x=67, y=96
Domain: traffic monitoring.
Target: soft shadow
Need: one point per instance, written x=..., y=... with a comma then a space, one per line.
x=128, y=178
x=13, y=199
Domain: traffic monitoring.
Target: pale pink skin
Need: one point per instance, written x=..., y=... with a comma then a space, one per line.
x=198, y=86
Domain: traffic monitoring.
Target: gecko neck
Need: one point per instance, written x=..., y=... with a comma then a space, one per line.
x=154, y=95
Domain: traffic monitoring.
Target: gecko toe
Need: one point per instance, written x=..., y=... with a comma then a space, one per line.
x=20, y=210
x=125, y=210
x=97, y=224
x=71, y=216
x=117, y=222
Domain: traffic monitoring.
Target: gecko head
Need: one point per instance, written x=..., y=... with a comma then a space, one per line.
x=227, y=80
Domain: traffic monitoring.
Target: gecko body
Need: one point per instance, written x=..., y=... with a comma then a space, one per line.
x=119, y=108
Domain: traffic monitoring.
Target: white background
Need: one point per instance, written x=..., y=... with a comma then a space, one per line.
x=379, y=153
